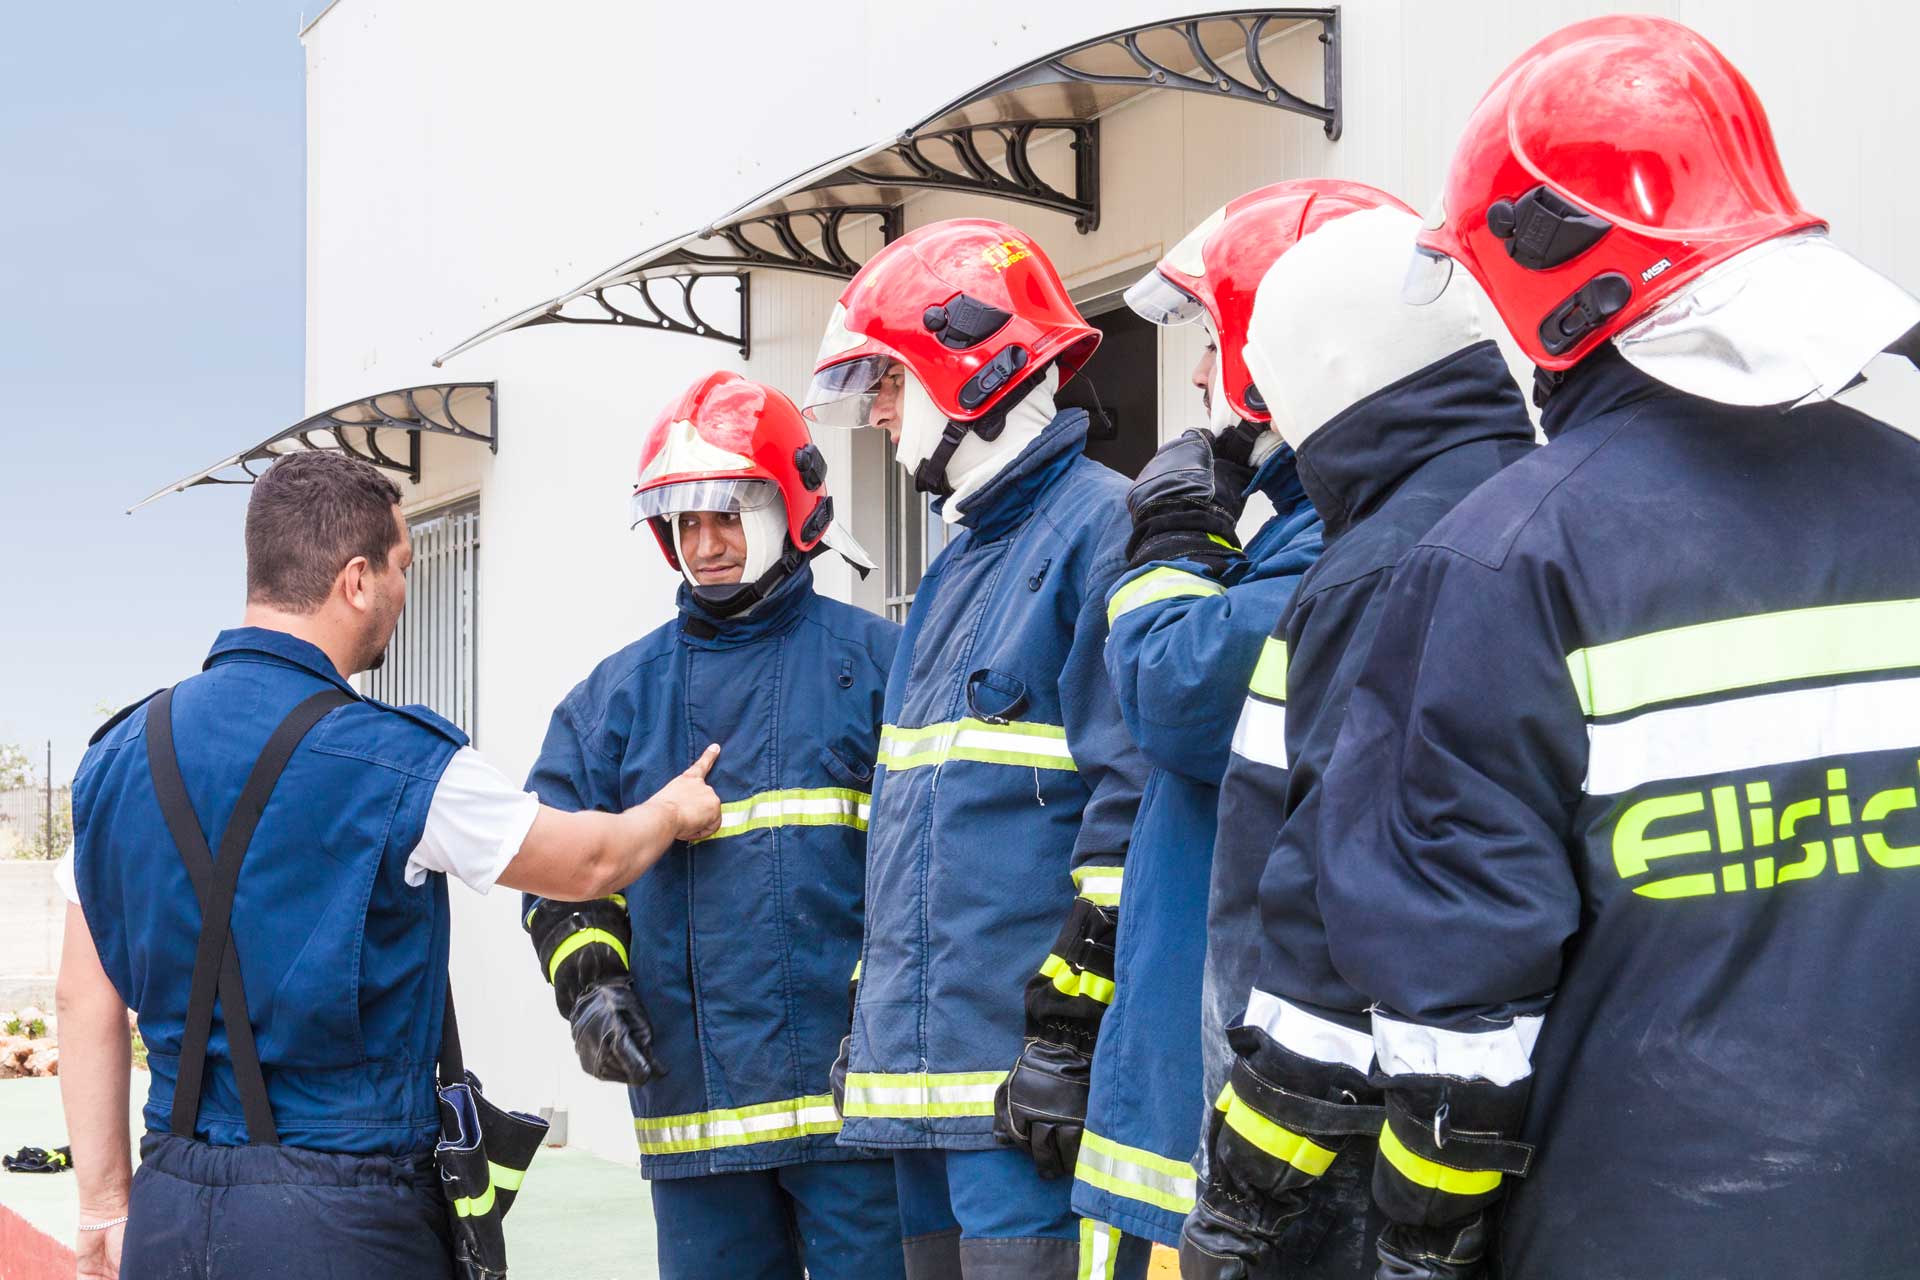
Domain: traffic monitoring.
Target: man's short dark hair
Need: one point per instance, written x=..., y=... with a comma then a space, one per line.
x=309, y=515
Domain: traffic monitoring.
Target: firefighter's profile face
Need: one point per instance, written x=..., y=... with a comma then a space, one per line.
x=886, y=411
x=713, y=546
x=1203, y=375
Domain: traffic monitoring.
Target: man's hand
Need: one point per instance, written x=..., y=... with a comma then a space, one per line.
x=97, y=1253
x=693, y=810
x=612, y=1036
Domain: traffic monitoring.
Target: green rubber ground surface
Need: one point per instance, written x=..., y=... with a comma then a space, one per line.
x=577, y=1218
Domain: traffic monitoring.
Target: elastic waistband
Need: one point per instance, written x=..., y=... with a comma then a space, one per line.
x=206, y=1165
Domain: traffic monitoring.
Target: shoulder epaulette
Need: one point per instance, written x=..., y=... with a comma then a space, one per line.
x=122, y=714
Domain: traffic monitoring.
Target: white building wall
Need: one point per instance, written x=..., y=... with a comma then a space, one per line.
x=468, y=157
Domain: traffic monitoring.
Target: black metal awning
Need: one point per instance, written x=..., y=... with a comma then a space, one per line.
x=383, y=429
x=980, y=143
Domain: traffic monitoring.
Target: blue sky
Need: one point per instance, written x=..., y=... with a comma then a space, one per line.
x=152, y=286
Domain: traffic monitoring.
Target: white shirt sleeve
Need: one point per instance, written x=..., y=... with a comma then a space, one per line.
x=63, y=876
x=475, y=824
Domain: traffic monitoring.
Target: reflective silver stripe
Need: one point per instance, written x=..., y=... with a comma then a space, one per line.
x=1261, y=735
x=920, y=1094
x=740, y=1126
x=1752, y=732
x=1136, y=1174
x=1502, y=1054
x=1099, y=885
x=1308, y=1034
x=1099, y=1250
x=794, y=807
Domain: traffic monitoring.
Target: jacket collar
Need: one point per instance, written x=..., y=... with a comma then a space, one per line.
x=1278, y=476
x=774, y=616
x=1004, y=501
x=1599, y=384
x=284, y=647
x=1351, y=464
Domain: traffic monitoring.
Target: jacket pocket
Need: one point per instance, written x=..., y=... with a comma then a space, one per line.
x=846, y=769
x=995, y=696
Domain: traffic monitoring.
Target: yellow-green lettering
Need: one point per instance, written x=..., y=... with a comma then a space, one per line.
x=1634, y=850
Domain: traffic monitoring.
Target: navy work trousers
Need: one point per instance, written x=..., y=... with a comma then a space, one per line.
x=830, y=1220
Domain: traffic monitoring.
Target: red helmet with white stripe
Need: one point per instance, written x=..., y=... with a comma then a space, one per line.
x=1217, y=268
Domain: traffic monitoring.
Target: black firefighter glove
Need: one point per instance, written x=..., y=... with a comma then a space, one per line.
x=1041, y=1107
x=1278, y=1125
x=1233, y=468
x=837, y=1074
x=1445, y=1155
x=583, y=951
x=1178, y=510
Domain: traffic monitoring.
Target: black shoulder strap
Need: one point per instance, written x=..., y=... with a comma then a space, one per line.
x=214, y=883
x=453, y=1068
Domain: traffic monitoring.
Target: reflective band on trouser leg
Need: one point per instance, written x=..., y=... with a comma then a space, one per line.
x=584, y=937
x=498, y=1175
x=1069, y=981
x=1099, y=1250
x=921, y=1095
x=1432, y=1175
x=794, y=807
x=1030, y=746
x=1161, y=583
x=1278, y=1141
x=1098, y=885
x=737, y=1127
x=1136, y=1174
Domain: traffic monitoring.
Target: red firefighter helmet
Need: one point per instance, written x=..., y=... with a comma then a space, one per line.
x=733, y=445
x=1217, y=268
x=1605, y=170
x=970, y=306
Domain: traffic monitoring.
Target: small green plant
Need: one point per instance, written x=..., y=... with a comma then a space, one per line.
x=28, y=1022
x=139, y=1052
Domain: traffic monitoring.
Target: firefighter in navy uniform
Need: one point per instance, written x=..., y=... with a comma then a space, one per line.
x=1007, y=783
x=716, y=988
x=1621, y=826
x=291, y=1129
x=1396, y=413
x=1188, y=621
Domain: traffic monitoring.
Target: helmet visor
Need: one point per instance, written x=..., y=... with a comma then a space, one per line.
x=732, y=495
x=1158, y=300
x=842, y=395
x=1428, y=272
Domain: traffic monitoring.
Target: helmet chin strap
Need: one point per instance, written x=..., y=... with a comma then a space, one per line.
x=931, y=475
x=731, y=599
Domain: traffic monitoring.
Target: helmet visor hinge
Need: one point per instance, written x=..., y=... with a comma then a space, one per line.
x=1590, y=306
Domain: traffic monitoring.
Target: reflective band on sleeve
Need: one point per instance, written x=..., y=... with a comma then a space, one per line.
x=582, y=938
x=921, y=1095
x=1751, y=733
x=738, y=1127
x=1309, y=1034
x=1270, y=673
x=1035, y=746
x=1098, y=885
x=1278, y=1141
x=1160, y=583
x=1070, y=982
x=1499, y=1054
x=1099, y=1250
x=1261, y=734
x=794, y=807
x=1741, y=653
x=1135, y=1174
x=1420, y=1171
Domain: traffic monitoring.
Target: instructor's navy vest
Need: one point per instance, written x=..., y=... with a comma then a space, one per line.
x=345, y=964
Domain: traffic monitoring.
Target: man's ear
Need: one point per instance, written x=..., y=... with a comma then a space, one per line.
x=352, y=584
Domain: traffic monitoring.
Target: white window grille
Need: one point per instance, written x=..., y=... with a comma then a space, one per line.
x=915, y=535
x=434, y=655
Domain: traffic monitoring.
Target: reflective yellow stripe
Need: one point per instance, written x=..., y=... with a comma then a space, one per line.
x=1161, y=583
x=1740, y=653
x=856, y=971
x=738, y=1126
x=919, y=1095
x=1099, y=885
x=1099, y=1250
x=504, y=1178
x=1270, y=673
x=1038, y=746
x=575, y=941
x=1278, y=1141
x=1136, y=1174
x=1071, y=982
x=794, y=807
x=474, y=1206
x=1420, y=1171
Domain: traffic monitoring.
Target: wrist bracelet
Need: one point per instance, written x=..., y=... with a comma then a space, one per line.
x=102, y=1226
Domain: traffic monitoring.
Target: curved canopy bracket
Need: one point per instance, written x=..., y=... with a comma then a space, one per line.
x=383, y=430
x=995, y=141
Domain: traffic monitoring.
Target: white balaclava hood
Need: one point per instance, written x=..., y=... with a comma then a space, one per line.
x=1329, y=328
x=764, y=521
x=976, y=461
